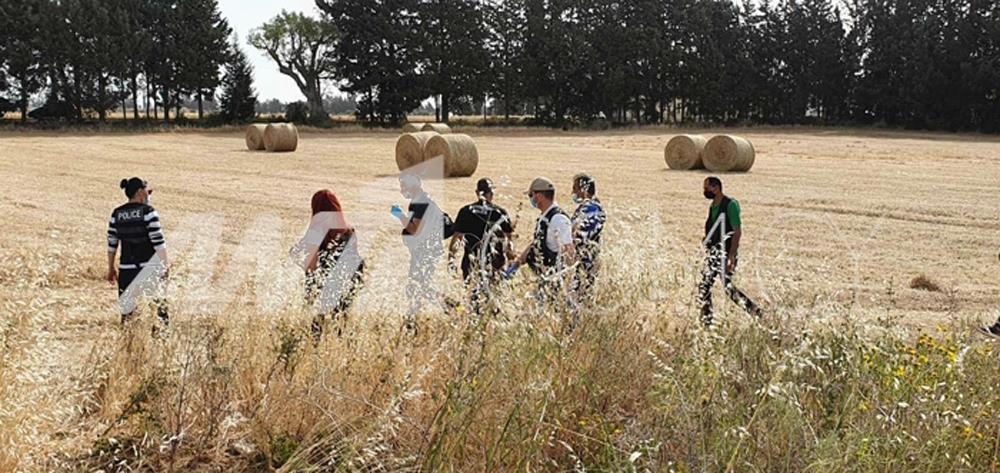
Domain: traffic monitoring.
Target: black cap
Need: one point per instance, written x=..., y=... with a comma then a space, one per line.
x=484, y=186
x=133, y=185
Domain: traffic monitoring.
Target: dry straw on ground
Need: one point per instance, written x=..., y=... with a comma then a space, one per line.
x=281, y=137
x=684, y=152
x=924, y=283
x=838, y=377
x=727, y=153
x=459, y=152
x=410, y=149
x=413, y=127
x=441, y=128
x=255, y=137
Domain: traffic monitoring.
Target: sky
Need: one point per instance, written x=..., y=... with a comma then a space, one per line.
x=245, y=15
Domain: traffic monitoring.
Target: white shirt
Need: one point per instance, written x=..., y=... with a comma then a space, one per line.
x=560, y=233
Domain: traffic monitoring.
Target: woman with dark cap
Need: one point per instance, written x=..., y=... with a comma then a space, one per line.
x=143, y=267
x=334, y=268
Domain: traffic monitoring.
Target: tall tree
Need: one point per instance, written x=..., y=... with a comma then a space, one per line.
x=505, y=21
x=555, y=56
x=238, y=100
x=163, y=64
x=453, y=52
x=99, y=45
x=135, y=50
x=23, y=41
x=379, y=56
x=204, y=40
x=303, y=48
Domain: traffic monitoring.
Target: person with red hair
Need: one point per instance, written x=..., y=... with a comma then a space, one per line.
x=334, y=267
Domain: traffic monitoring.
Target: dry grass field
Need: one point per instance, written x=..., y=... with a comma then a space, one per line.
x=837, y=224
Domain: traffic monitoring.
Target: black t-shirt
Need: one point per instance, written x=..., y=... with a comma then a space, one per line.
x=430, y=232
x=418, y=209
x=474, y=221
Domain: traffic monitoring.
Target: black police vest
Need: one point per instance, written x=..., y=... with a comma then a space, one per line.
x=713, y=238
x=541, y=257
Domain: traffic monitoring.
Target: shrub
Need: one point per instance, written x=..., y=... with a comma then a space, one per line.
x=297, y=112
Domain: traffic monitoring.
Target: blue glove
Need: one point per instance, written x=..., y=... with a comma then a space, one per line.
x=397, y=211
x=511, y=271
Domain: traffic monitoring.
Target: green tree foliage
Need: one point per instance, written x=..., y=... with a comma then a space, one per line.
x=303, y=48
x=505, y=20
x=379, y=56
x=297, y=112
x=238, y=99
x=901, y=63
x=916, y=63
x=88, y=56
x=204, y=36
x=22, y=61
x=454, y=54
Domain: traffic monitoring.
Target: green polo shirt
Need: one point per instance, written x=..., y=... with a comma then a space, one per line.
x=732, y=215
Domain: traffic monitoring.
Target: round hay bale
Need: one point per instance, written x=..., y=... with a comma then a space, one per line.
x=727, y=153
x=684, y=152
x=281, y=137
x=255, y=137
x=413, y=127
x=461, y=157
x=410, y=148
x=441, y=128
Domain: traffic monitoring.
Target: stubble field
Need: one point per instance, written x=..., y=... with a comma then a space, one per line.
x=837, y=223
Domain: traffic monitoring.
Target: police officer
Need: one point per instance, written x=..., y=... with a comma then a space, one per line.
x=723, y=231
x=135, y=226
x=588, y=225
x=486, y=230
x=551, y=251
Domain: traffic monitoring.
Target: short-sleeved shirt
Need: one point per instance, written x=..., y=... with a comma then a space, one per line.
x=431, y=230
x=417, y=209
x=733, y=220
x=589, y=219
x=560, y=233
x=474, y=221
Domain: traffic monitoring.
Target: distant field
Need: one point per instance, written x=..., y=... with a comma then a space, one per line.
x=837, y=223
x=830, y=211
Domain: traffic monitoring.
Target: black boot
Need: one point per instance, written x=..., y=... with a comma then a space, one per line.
x=992, y=330
x=317, y=328
x=164, y=315
x=707, y=315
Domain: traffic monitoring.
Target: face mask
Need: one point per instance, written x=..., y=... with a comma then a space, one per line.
x=533, y=203
x=577, y=199
x=709, y=195
x=149, y=199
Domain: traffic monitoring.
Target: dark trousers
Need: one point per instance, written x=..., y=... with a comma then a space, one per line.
x=480, y=280
x=125, y=278
x=715, y=264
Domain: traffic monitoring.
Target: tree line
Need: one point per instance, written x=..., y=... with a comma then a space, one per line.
x=912, y=63
x=97, y=55
x=902, y=63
